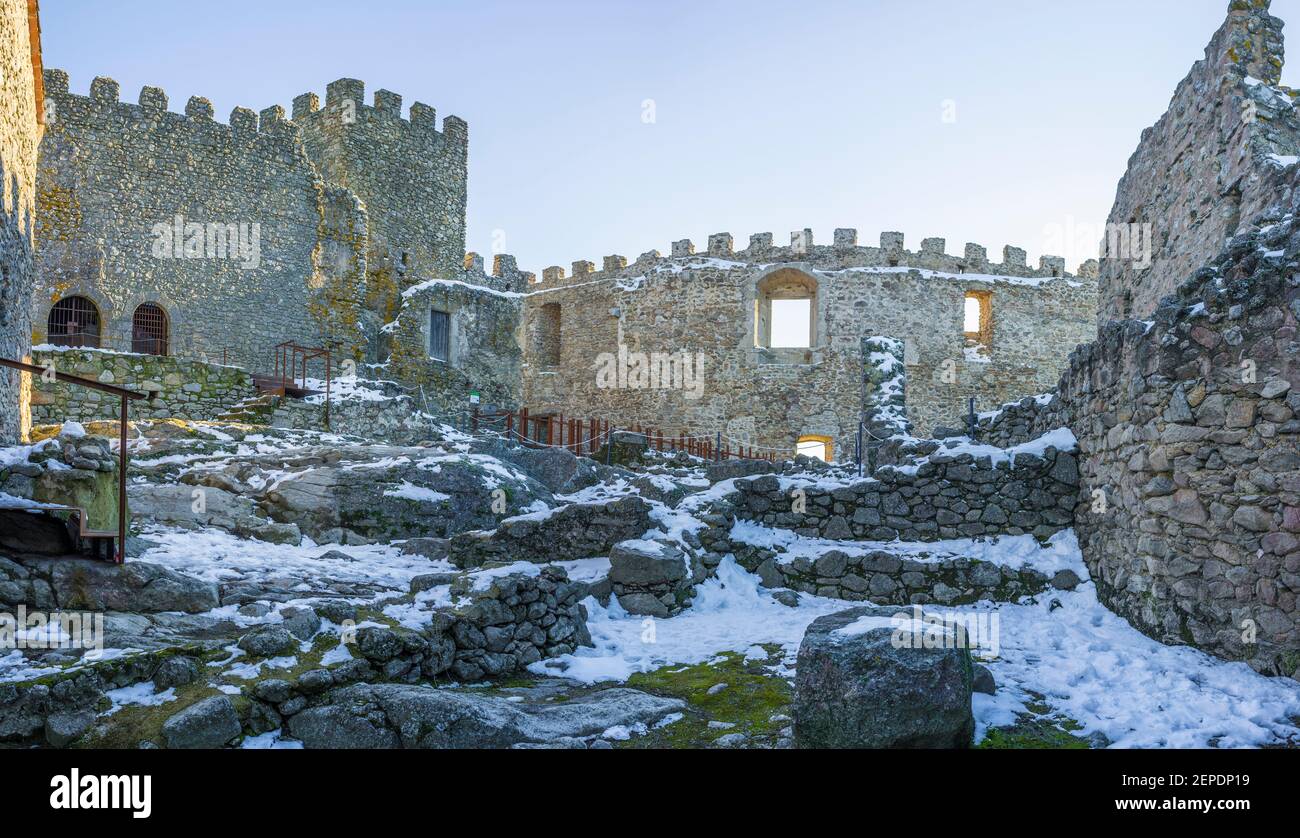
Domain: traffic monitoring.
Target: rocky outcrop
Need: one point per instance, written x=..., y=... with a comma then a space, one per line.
x=84, y=584
x=396, y=716
x=576, y=531
x=855, y=687
x=367, y=493
x=175, y=506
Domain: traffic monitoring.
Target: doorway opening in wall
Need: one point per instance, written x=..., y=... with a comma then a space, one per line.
x=149, y=330
x=977, y=325
x=814, y=445
x=439, y=335
x=73, y=321
x=792, y=323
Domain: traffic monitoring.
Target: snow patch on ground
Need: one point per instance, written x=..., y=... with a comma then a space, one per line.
x=1013, y=551
x=1089, y=663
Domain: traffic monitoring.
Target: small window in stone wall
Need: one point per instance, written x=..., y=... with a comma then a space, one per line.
x=73, y=321
x=977, y=322
x=816, y=446
x=547, y=336
x=149, y=332
x=785, y=306
x=439, y=335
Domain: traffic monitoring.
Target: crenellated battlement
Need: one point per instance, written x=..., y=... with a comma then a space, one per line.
x=103, y=107
x=843, y=252
x=345, y=105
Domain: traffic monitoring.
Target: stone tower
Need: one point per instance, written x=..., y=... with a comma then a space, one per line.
x=1206, y=169
x=410, y=176
x=21, y=118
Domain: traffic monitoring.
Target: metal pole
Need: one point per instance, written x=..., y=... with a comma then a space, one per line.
x=717, y=455
x=121, y=487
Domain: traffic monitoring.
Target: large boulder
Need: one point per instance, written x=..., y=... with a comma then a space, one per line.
x=139, y=587
x=577, y=531
x=623, y=448
x=558, y=469
x=350, y=494
x=210, y=723
x=649, y=577
x=414, y=716
x=731, y=469
x=34, y=533
x=863, y=679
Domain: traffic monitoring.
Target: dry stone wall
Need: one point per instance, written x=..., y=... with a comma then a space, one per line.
x=706, y=307
x=1189, y=443
x=947, y=496
x=179, y=389
x=19, y=134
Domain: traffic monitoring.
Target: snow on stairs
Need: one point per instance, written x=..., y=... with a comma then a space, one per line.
x=257, y=410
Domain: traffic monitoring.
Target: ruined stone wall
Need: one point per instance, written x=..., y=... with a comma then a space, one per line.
x=705, y=306
x=179, y=389
x=410, y=176
x=948, y=496
x=19, y=134
x=1189, y=444
x=113, y=179
x=1205, y=170
x=484, y=313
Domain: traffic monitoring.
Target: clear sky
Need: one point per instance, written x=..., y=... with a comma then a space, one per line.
x=1004, y=121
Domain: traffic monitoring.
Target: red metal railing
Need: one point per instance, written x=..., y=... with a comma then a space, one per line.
x=586, y=436
x=291, y=361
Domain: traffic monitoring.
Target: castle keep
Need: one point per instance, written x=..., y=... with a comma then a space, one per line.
x=174, y=234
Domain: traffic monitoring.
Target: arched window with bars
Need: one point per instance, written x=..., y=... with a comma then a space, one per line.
x=73, y=321
x=149, y=330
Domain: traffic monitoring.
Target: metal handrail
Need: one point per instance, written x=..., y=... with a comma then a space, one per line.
x=126, y=396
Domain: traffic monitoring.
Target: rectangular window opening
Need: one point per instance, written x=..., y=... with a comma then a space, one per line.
x=977, y=319
x=792, y=323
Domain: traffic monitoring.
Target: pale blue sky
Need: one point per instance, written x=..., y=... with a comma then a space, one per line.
x=769, y=116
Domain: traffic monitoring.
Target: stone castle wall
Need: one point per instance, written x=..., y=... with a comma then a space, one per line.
x=114, y=178
x=19, y=135
x=705, y=305
x=1189, y=438
x=178, y=388
x=1208, y=167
